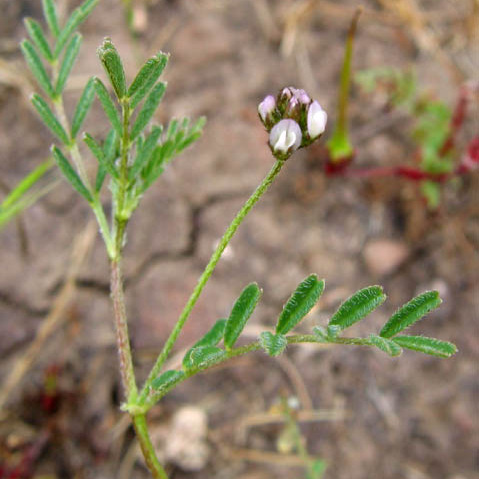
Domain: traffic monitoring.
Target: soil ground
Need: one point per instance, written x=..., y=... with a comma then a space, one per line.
x=414, y=417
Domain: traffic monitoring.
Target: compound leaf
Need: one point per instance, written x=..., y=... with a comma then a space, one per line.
x=240, y=313
x=411, y=312
x=356, y=307
x=300, y=303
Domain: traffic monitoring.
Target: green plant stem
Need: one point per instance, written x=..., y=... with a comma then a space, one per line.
x=121, y=217
x=141, y=429
x=123, y=339
x=339, y=144
x=215, y=257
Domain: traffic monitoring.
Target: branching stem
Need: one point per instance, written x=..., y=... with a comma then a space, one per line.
x=215, y=257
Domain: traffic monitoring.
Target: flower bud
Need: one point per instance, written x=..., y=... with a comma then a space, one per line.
x=285, y=137
x=301, y=96
x=317, y=119
x=266, y=108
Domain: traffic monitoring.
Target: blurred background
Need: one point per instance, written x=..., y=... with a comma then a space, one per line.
x=366, y=415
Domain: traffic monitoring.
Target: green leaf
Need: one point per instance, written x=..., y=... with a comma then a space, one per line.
x=359, y=305
x=205, y=356
x=333, y=330
x=240, y=313
x=36, y=67
x=100, y=178
x=214, y=335
x=321, y=334
x=411, y=312
x=108, y=105
x=148, y=109
x=71, y=54
x=167, y=150
x=166, y=380
x=386, y=345
x=273, y=344
x=432, y=346
x=83, y=106
x=300, y=303
x=110, y=145
x=111, y=61
x=110, y=152
x=29, y=198
x=49, y=118
x=26, y=183
x=211, y=338
x=70, y=174
x=145, y=152
x=100, y=156
x=51, y=16
x=146, y=78
x=78, y=16
x=326, y=335
x=35, y=31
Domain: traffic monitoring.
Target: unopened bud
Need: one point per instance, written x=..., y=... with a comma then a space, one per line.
x=266, y=108
x=317, y=119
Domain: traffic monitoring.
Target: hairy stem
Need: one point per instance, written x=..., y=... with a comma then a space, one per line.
x=141, y=429
x=123, y=339
x=152, y=397
x=215, y=257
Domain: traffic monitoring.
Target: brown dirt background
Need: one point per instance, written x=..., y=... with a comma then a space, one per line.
x=414, y=417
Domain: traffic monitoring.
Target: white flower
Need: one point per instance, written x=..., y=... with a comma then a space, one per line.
x=317, y=119
x=285, y=136
x=266, y=107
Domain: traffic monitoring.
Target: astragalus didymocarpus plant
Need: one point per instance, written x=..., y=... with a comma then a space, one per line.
x=131, y=159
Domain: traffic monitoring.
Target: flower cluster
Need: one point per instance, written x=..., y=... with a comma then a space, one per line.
x=292, y=119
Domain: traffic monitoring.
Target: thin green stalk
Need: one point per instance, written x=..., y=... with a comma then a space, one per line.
x=339, y=145
x=26, y=183
x=215, y=257
x=141, y=429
